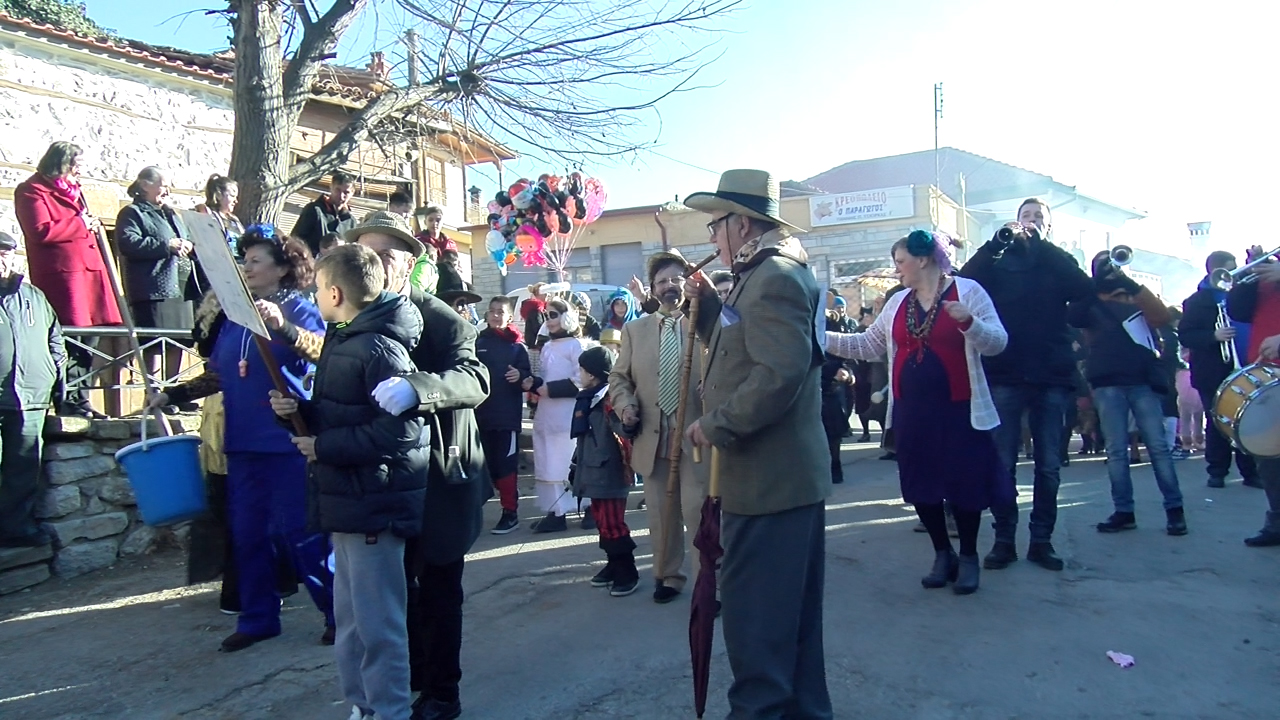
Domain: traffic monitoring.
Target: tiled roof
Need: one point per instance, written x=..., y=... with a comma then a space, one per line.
x=335, y=80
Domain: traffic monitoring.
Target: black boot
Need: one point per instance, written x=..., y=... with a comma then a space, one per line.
x=1002, y=553
x=622, y=556
x=549, y=523
x=943, y=572
x=967, y=576
x=1177, y=521
x=604, y=578
x=1119, y=521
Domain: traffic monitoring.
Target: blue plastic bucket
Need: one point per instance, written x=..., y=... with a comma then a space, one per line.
x=166, y=478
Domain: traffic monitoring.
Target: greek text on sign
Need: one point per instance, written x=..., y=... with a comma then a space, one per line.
x=862, y=206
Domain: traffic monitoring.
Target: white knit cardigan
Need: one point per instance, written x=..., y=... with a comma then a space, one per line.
x=986, y=336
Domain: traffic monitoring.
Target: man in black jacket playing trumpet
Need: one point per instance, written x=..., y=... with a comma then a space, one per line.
x=1031, y=281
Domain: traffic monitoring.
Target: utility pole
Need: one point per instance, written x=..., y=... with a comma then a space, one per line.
x=411, y=40
x=937, y=166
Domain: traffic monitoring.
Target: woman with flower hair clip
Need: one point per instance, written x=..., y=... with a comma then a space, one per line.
x=935, y=333
x=266, y=476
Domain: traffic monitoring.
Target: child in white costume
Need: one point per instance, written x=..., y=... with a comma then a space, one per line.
x=556, y=389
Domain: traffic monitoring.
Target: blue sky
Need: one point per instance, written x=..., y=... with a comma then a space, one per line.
x=1165, y=106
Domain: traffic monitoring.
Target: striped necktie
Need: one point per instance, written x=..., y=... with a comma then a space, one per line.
x=669, y=365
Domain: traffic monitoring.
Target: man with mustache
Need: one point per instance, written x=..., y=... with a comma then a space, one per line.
x=644, y=387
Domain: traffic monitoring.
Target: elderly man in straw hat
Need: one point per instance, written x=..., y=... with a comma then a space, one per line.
x=644, y=387
x=763, y=413
x=450, y=382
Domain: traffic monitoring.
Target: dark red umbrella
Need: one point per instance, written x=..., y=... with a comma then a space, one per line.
x=702, y=610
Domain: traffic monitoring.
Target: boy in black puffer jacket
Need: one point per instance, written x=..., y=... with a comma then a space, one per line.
x=368, y=473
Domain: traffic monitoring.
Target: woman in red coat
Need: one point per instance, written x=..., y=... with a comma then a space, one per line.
x=63, y=257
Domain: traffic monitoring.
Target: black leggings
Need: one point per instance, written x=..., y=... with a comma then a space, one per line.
x=934, y=518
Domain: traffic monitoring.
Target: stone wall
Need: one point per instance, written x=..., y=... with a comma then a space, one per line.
x=87, y=504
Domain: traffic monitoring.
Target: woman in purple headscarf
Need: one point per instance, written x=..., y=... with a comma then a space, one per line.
x=940, y=408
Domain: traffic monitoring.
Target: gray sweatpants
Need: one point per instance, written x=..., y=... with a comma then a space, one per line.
x=372, y=643
x=771, y=593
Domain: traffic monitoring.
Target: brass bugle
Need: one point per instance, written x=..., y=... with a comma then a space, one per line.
x=1224, y=279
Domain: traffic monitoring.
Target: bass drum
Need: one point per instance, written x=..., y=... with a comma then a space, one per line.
x=1247, y=409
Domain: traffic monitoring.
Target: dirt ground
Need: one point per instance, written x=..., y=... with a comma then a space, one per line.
x=1201, y=614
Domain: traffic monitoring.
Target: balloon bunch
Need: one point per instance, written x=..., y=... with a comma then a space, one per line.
x=529, y=215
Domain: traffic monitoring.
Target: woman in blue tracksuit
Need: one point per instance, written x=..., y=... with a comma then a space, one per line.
x=266, y=477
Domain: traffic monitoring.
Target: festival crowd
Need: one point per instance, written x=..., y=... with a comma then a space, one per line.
x=365, y=481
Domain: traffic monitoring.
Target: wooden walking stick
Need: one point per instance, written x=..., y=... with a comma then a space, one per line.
x=686, y=373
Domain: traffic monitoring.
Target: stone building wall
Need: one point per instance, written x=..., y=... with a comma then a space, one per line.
x=125, y=118
x=87, y=504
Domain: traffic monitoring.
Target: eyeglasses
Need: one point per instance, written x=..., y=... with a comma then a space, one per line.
x=553, y=315
x=711, y=226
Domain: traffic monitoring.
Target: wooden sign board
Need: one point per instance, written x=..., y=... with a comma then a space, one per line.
x=223, y=272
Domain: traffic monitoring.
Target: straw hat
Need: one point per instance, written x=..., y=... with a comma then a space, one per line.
x=753, y=193
x=386, y=222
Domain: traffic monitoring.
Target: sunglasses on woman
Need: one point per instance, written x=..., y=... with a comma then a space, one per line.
x=553, y=315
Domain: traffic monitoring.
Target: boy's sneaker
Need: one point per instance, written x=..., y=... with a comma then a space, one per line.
x=508, y=522
x=623, y=588
x=1119, y=521
x=604, y=578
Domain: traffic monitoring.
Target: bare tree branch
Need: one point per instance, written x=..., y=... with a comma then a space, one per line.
x=318, y=43
x=303, y=12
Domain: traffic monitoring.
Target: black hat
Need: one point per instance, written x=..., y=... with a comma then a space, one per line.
x=7, y=242
x=598, y=361
x=451, y=297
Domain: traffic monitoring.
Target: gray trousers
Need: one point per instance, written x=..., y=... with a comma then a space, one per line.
x=372, y=643
x=1269, y=474
x=771, y=594
x=21, y=440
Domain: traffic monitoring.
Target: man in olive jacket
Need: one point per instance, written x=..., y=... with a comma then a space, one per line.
x=762, y=400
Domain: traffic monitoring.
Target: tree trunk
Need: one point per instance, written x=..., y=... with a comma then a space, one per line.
x=260, y=155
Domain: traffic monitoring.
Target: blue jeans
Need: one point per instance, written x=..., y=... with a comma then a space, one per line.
x=1114, y=406
x=1047, y=407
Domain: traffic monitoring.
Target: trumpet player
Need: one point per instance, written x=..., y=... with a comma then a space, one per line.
x=1030, y=280
x=1121, y=323
x=1258, y=303
x=1216, y=343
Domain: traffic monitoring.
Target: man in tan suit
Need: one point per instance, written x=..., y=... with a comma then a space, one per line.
x=763, y=412
x=645, y=387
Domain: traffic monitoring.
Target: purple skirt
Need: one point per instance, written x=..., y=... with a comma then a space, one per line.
x=940, y=454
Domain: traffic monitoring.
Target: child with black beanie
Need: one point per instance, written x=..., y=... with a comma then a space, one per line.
x=602, y=470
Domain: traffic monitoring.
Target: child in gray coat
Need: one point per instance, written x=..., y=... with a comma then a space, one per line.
x=602, y=471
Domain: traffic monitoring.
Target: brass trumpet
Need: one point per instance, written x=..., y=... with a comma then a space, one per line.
x=1121, y=255
x=1224, y=279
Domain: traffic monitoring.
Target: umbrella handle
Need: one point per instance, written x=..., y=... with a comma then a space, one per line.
x=714, y=489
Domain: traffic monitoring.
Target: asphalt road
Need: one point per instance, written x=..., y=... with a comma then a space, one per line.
x=1201, y=615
